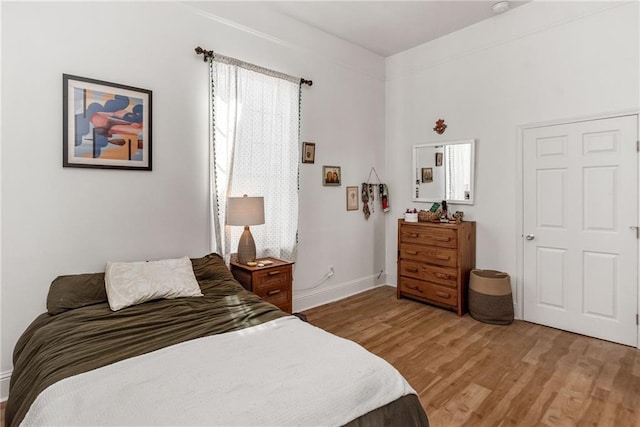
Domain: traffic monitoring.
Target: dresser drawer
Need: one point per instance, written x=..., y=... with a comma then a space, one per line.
x=433, y=236
x=429, y=254
x=430, y=291
x=431, y=273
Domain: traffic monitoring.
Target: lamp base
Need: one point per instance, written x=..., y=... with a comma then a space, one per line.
x=246, y=247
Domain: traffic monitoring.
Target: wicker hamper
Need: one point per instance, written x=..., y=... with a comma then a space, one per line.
x=490, y=299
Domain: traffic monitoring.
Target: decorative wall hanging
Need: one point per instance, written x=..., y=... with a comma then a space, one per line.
x=384, y=197
x=308, y=152
x=368, y=195
x=352, y=198
x=365, y=200
x=105, y=125
x=440, y=127
x=331, y=175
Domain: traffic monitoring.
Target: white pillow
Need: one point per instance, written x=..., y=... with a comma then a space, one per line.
x=131, y=283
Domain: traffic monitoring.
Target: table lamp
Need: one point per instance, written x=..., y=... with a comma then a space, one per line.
x=245, y=211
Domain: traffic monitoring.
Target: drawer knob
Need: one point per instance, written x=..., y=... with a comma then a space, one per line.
x=442, y=276
x=273, y=292
x=273, y=273
x=411, y=269
x=414, y=288
x=412, y=252
x=443, y=294
x=414, y=235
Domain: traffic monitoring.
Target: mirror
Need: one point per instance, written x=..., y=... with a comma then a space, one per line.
x=444, y=171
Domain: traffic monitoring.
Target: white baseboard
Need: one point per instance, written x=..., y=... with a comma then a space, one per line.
x=4, y=385
x=324, y=295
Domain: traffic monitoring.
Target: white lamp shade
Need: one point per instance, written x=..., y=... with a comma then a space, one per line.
x=245, y=210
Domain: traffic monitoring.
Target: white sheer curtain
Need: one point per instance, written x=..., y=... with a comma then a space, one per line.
x=255, y=152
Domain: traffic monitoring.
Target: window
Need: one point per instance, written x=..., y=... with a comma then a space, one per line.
x=255, y=152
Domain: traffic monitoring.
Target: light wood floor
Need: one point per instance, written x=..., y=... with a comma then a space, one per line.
x=469, y=373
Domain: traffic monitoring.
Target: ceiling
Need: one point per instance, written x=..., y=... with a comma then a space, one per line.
x=388, y=27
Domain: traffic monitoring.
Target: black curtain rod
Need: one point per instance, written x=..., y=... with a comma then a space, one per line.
x=207, y=54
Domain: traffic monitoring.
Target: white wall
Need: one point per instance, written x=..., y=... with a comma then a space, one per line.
x=542, y=61
x=61, y=220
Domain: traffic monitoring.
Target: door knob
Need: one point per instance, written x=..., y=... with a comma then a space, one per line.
x=530, y=237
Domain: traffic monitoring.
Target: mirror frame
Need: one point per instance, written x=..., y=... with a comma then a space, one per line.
x=473, y=172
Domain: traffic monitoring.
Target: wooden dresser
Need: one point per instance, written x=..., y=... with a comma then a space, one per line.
x=434, y=261
x=273, y=282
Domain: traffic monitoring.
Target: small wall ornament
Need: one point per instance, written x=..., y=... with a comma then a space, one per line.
x=440, y=127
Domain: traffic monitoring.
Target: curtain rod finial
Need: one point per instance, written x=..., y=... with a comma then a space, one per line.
x=207, y=53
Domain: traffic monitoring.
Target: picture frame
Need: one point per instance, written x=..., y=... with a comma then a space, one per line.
x=439, y=159
x=427, y=174
x=352, y=198
x=331, y=176
x=308, y=152
x=105, y=125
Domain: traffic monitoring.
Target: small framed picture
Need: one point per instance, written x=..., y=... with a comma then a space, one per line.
x=438, y=159
x=105, y=125
x=427, y=174
x=352, y=198
x=308, y=152
x=331, y=175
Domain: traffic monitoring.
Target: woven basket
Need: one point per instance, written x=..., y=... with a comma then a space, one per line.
x=428, y=216
x=490, y=299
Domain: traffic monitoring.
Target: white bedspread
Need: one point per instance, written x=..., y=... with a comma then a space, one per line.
x=284, y=372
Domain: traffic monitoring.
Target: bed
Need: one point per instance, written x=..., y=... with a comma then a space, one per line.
x=224, y=358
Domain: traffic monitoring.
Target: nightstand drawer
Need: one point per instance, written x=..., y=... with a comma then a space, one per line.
x=278, y=297
x=273, y=278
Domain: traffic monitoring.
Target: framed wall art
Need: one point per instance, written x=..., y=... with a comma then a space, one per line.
x=308, y=152
x=331, y=175
x=352, y=198
x=439, y=159
x=427, y=174
x=105, y=125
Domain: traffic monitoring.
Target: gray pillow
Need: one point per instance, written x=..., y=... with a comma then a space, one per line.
x=210, y=267
x=75, y=291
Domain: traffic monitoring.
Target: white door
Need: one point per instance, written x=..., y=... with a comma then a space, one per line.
x=580, y=209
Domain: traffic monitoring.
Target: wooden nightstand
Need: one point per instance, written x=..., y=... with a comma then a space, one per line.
x=273, y=283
